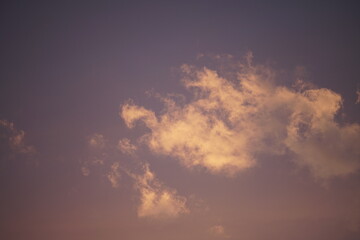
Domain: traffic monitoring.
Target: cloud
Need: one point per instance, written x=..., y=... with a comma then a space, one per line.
x=230, y=121
x=133, y=113
x=97, y=141
x=219, y=231
x=15, y=138
x=85, y=171
x=157, y=200
x=91, y=162
x=114, y=175
x=97, y=153
x=358, y=96
x=126, y=147
x=326, y=147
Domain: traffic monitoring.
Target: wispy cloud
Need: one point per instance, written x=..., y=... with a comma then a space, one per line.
x=114, y=175
x=15, y=138
x=126, y=147
x=85, y=171
x=98, y=150
x=219, y=231
x=157, y=200
x=230, y=121
x=97, y=141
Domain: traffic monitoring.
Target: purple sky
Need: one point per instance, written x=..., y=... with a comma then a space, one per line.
x=175, y=120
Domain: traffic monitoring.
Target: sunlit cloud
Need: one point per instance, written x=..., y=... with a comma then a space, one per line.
x=230, y=121
x=157, y=200
x=132, y=113
x=15, y=138
x=114, y=175
x=126, y=147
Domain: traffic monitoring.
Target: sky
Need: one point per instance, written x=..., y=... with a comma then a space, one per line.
x=172, y=120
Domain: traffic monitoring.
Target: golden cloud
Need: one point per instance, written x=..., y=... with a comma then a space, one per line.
x=156, y=200
x=228, y=122
x=126, y=147
x=114, y=175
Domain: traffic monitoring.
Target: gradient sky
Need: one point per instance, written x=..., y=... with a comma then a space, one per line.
x=172, y=120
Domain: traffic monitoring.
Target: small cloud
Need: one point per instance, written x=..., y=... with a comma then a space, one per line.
x=15, y=138
x=219, y=231
x=301, y=85
x=114, y=175
x=97, y=153
x=156, y=200
x=197, y=204
x=97, y=161
x=85, y=171
x=97, y=141
x=126, y=147
x=358, y=96
x=131, y=113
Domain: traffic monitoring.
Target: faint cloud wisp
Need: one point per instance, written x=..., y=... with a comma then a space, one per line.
x=126, y=147
x=157, y=200
x=15, y=138
x=114, y=175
